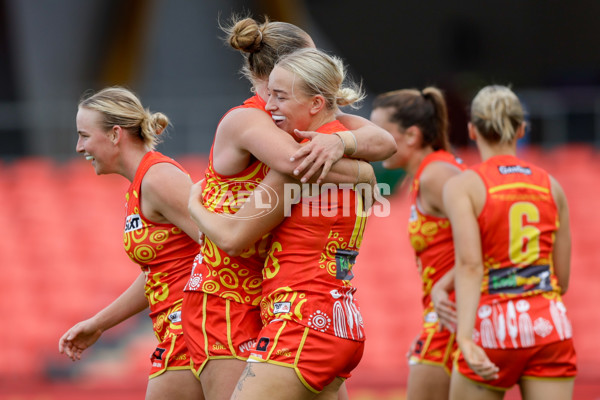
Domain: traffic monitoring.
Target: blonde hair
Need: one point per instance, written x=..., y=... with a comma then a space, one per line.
x=264, y=43
x=322, y=74
x=423, y=108
x=121, y=107
x=497, y=113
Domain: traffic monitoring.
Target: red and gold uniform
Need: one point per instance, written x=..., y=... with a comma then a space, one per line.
x=312, y=321
x=431, y=237
x=222, y=296
x=165, y=254
x=521, y=319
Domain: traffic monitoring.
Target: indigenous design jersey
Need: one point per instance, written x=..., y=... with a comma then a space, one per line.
x=431, y=238
x=520, y=302
x=164, y=252
x=215, y=272
x=307, y=274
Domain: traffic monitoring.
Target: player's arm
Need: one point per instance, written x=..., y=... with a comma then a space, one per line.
x=373, y=143
x=233, y=233
x=444, y=307
x=257, y=134
x=459, y=207
x=165, y=194
x=265, y=208
x=85, y=333
x=467, y=250
x=363, y=140
x=431, y=186
x=561, y=254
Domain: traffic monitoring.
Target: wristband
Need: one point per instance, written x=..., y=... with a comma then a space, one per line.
x=364, y=174
x=349, y=141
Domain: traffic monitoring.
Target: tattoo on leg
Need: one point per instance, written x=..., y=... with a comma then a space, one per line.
x=245, y=375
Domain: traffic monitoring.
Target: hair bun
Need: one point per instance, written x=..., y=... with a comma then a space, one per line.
x=246, y=36
x=159, y=122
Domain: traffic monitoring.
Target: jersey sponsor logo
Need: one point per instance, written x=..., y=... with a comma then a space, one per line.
x=247, y=346
x=418, y=347
x=283, y=307
x=520, y=280
x=344, y=261
x=262, y=344
x=133, y=223
x=175, y=317
x=514, y=169
x=413, y=214
x=158, y=353
x=431, y=317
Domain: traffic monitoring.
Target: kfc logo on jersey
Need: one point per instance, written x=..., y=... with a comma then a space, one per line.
x=133, y=223
x=284, y=307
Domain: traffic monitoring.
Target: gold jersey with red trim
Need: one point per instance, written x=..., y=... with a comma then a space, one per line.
x=307, y=273
x=215, y=272
x=520, y=302
x=430, y=237
x=164, y=252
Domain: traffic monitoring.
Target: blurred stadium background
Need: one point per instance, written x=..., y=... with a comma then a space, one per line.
x=61, y=256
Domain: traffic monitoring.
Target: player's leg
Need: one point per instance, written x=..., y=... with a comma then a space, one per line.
x=333, y=391
x=175, y=385
x=219, y=378
x=427, y=382
x=547, y=389
x=261, y=381
x=462, y=388
x=343, y=393
x=550, y=372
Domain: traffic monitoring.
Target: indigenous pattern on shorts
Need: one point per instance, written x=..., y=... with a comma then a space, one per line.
x=164, y=252
x=307, y=274
x=520, y=302
x=431, y=238
x=215, y=272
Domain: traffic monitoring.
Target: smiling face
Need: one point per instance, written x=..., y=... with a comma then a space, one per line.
x=289, y=106
x=94, y=142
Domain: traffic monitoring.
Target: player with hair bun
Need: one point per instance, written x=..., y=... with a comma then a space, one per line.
x=312, y=335
x=118, y=135
x=510, y=223
x=222, y=299
x=418, y=120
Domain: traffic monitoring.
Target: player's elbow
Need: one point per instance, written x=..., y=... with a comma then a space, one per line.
x=381, y=149
x=389, y=147
x=231, y=245
x=564, y=285
x=469, y=267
